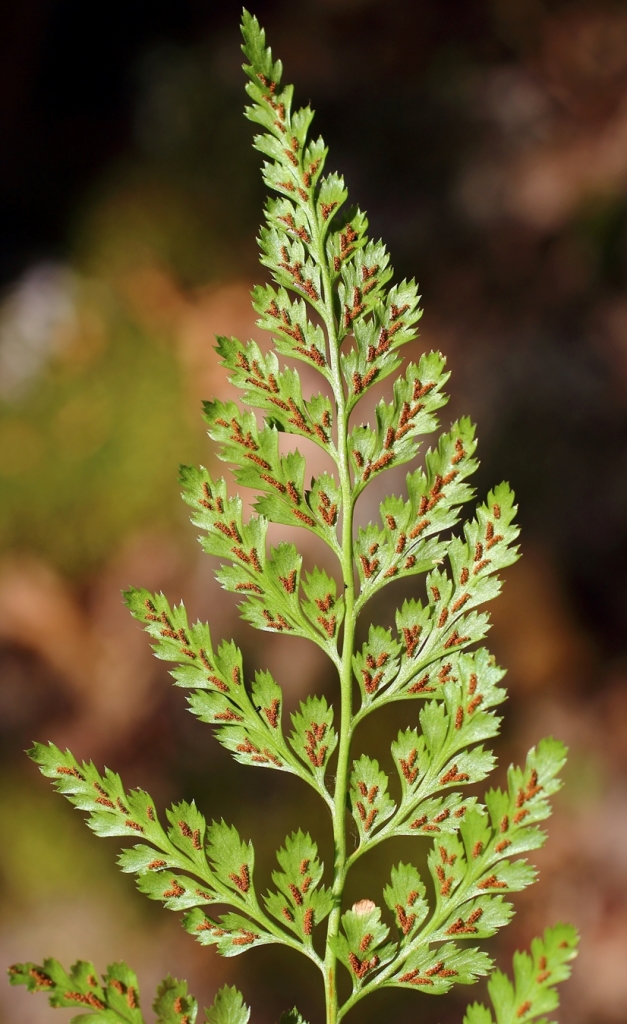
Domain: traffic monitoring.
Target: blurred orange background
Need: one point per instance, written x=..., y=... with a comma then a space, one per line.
x=488, y=141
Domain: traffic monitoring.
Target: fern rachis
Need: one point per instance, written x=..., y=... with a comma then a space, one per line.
x=330, y=304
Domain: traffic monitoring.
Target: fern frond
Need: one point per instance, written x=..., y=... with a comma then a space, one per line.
x=330, y=303
x=115, y=999
x=217, y=867
x=533, y=993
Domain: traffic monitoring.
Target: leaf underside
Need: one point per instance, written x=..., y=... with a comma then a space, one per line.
x=330, y=303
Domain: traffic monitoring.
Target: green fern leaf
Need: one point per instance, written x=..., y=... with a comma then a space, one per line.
x=330, y=302
x=115, y=1000
x=228, y=1007
x=533, y=992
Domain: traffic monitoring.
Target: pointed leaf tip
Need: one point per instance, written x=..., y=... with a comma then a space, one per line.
x=292, y=1017
x=228, y=1007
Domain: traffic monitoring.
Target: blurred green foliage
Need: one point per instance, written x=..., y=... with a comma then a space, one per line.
x=90, y=452
x=56, y=860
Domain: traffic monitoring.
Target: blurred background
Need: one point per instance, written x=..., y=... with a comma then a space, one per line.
x=488, y=141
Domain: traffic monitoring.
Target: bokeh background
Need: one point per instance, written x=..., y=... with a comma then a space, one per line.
x=488, y=141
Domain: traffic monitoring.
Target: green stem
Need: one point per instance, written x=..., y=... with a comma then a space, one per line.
x=345, y=667
x=341, y=787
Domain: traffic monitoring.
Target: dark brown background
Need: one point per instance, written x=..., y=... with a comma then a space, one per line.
x=488, y=142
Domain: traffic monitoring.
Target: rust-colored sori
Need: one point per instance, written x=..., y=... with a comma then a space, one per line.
x=330, y=303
